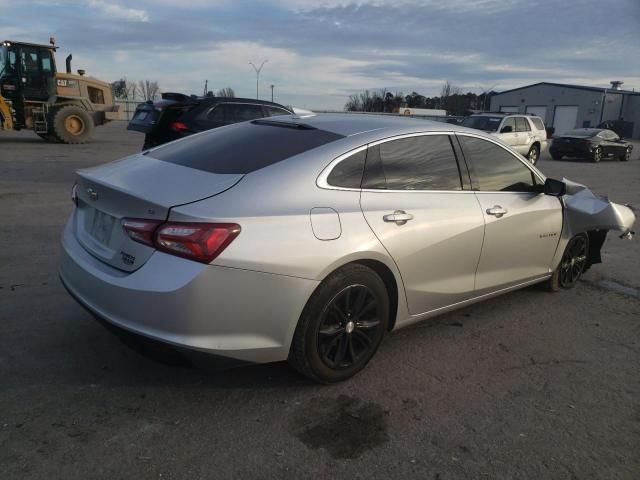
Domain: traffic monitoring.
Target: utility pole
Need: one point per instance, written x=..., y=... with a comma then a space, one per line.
x=206, y=83
x=272, y=85
x=258, y=69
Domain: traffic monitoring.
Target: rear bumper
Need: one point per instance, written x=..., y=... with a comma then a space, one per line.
x=240, y=314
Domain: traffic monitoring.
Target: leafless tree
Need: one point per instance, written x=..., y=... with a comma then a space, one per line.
x=226, y=92
x=148, y=89
x=131, y=90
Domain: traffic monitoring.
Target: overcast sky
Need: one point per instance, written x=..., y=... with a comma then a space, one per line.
x=321, y=51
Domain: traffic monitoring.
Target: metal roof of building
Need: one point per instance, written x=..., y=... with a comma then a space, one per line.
x=579, y=87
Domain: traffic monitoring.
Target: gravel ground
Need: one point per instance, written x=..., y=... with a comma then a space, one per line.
x=528, y=385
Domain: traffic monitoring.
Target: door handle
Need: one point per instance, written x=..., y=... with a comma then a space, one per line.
x=399, y=217
x=497, y=211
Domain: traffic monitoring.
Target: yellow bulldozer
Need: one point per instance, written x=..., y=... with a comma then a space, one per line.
x=59, y=107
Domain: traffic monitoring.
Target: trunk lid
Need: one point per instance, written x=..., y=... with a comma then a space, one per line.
x=135, y=187
x=151, y=116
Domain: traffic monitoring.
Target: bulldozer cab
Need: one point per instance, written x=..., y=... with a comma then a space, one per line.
x=27, y=71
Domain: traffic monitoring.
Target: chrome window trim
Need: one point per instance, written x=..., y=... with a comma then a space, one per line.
x=321, y=181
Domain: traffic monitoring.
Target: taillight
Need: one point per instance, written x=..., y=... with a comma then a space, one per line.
x=179, y=127
x=196, y=241
x=140, y=229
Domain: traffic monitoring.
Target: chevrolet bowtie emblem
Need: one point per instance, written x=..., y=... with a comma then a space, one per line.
x=93, y=195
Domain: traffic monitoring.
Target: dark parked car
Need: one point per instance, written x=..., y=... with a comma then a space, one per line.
x=592, y=143
x=178, y=115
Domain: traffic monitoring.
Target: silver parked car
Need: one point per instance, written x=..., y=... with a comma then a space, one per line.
x=309, y=238
x=524, y=132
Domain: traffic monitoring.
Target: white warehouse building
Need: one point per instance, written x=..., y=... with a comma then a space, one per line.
x=565, y=107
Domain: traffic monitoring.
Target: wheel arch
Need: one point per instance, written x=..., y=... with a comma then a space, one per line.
x=389, y=275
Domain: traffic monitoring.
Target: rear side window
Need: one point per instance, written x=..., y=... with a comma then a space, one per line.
x=522, y=125
x=275, y=111
x=417, y=163
x=217, y=114
x=348, y=173
x=242, y=148
x=537, y=123
x=240, y=112
x=495, y=169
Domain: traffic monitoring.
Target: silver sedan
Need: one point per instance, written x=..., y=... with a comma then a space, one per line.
x=308, y=238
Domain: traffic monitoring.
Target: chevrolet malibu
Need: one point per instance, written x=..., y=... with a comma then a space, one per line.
x=308, y=238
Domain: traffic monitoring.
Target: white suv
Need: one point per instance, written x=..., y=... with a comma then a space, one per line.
x=524, y=132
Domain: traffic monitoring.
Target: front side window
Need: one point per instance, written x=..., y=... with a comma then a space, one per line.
x=417, y=163
x=522, y=125
x=495, y=169
x=29, y=60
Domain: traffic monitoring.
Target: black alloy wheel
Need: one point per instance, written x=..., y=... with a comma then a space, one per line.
x=596, y=155
x=349, y=327
x=342, y=325
x=573, y=261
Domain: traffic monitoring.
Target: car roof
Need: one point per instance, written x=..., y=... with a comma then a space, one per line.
x=503, y=114
x=211, y=100
x=350, y=124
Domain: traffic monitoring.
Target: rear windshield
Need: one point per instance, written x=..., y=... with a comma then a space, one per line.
x=488, y=124
x=243, y=148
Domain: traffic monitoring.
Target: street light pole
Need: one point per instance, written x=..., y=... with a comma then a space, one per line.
x=258, y=69
x=272, y=92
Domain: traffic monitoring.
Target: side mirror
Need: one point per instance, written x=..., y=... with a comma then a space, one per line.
x=507, y=129
x=553, y=187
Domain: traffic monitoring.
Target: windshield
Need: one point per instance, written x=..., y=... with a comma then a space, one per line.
x=488, y=124
x=580, y=133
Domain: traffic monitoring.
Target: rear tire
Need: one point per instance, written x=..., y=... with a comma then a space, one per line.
x=534, y=154
x=626, y=156
x=72, y=124
x=572, y=265
x=341, y=326
x=556, y=156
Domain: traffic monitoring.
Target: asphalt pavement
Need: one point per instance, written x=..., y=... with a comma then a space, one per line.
x=530, y=385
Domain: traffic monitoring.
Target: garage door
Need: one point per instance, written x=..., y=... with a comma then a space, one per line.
x=509, y=109
x=539, y=111
x=564, y=119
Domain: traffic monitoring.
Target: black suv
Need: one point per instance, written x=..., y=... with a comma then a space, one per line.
x=178, y=115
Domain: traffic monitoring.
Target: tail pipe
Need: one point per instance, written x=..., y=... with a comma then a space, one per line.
x=69, y=63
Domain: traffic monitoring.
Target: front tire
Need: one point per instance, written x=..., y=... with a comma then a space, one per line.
x=573, y=264
x=72, y=124
x=534, y=154
x=596, y=155
x=341, y=326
